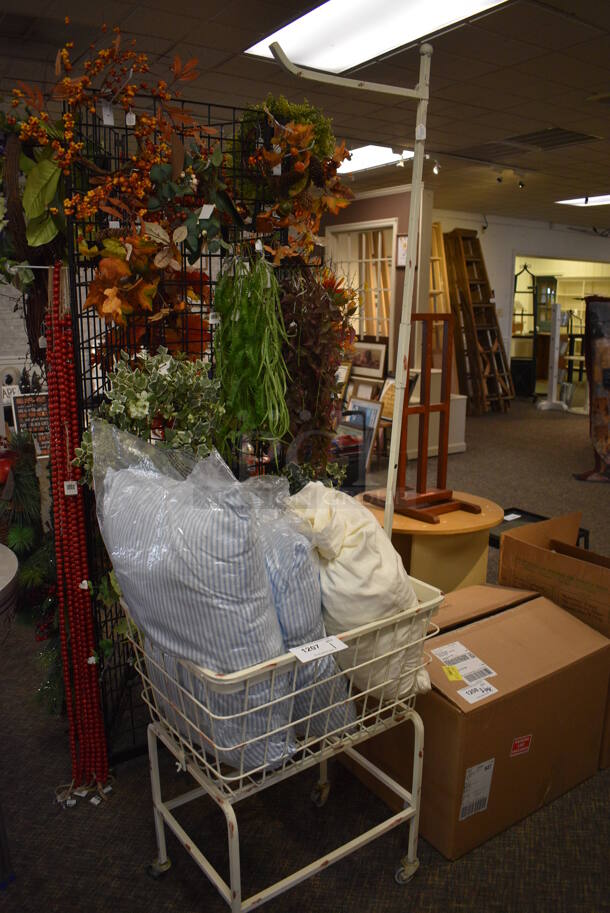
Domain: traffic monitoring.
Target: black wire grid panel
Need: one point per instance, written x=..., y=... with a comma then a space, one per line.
x=97, y=347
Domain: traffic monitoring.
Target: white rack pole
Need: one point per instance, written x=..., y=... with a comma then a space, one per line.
x=421, y=93
x=404, y=333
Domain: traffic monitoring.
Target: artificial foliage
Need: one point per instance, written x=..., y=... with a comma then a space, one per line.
x=249, y=353
x=168, y=398
x=317, y=310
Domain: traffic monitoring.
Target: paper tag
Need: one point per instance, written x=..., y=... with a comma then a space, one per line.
x=453, y=673
x=70, y=802
x=511, y=516
x=206, y=211
x=81, y=792
x=130, y=119
x=476, y=693
x=306, y=653
x=277, y=169
x=95, y=800
x=420, y=132
x=477, y=784
x=521, y=745
x=70, y=488
x=114, y=223
x=107, y=114
x=107, y=789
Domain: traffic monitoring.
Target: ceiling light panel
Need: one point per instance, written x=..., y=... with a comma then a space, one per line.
x=343, y=33
x=603, y=200
x=372, y=157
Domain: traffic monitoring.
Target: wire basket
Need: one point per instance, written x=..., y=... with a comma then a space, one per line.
x=251, y=728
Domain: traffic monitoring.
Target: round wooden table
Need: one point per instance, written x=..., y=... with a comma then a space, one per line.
x=451, y=553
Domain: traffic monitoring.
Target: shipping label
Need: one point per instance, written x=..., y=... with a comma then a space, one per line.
x=470, y=668
x=477, y=785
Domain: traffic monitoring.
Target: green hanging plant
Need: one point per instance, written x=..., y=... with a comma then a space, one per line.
x=248, y=347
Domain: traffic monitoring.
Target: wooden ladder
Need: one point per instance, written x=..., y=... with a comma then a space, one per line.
x=439, y=297
x=482, y=365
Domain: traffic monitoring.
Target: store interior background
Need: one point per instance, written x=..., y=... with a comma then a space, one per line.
x=499, y=83
x=518, y=119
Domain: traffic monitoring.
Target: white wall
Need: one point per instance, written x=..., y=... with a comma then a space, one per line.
x=505, y=238
x=13, y=340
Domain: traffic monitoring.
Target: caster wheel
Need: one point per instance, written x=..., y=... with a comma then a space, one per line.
x=158, y=869
x=404, y=873
x=319, y=794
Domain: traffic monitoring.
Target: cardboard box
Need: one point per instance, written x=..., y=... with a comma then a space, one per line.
x=471, y=602
x=489, y=763
x=544, y=556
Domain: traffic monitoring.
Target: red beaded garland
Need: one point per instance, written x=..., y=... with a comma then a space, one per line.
x=87, y=738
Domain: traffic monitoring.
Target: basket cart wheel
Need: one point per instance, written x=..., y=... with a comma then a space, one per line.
x=319, y=794
x=158, y=869
x=405, y=872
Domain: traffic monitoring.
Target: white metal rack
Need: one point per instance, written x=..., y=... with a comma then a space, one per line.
x=180, y=695
x=388, y=654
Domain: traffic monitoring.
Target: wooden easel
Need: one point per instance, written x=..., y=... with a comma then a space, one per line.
x=424, y=503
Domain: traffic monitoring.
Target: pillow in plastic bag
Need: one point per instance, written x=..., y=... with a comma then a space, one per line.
x=292, y=569
x=215, y=714
x=193, y=576
x=363, y=580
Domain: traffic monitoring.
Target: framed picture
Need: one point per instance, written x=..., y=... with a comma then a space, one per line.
x=369, y=359
x=342, y=377
x=401, y=250
x=372, y=411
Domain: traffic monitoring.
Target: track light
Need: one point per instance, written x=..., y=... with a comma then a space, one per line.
x=436, y=168
x=521, y=185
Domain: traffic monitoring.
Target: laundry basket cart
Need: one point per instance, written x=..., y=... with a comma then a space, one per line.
x=242, y=732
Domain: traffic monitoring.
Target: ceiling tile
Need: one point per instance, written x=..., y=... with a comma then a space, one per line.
x=472, y=40
x=538, y=25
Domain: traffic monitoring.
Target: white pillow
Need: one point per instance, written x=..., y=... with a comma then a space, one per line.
x=363, y=580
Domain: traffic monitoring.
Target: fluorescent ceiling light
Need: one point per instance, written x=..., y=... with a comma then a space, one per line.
x=372, y=157
x=603, y=200
x=343, y=33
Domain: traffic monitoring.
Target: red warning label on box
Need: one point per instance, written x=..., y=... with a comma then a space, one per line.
x=521, y=745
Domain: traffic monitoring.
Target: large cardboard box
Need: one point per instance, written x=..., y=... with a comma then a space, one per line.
x=544, y=556
x=526, y=731
x=471, y=602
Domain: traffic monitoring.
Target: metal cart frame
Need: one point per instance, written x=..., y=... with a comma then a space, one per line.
x=388, y=654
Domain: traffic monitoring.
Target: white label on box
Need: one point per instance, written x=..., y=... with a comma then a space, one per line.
x=511, y=517
x=453, y=653
x=477, y=784
x=306, y=653
x=471, y=668
x=477, y=692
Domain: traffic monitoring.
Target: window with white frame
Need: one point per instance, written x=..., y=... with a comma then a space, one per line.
x=363, y=255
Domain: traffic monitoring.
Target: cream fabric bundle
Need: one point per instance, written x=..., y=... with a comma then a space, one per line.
x=363, y=580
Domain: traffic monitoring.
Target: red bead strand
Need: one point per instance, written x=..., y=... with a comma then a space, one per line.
x=87, y=736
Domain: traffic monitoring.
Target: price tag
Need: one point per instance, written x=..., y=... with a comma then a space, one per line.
x=114, y=223
x=206, y=211
x=509, y=517
x=306, y=653
x=107, y=114
x=130, y=119
x=70, y=488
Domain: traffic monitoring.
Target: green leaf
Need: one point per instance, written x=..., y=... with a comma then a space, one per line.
x=153, y=202
x=41, y=230
x=26, y=163
x=21, y=539
x=40, y=187
x=216, y=157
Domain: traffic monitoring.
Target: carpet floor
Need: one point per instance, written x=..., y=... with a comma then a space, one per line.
x=94, y=859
